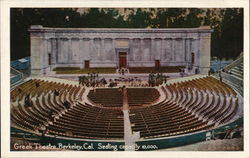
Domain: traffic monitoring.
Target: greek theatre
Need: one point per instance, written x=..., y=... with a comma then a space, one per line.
x=126, y=47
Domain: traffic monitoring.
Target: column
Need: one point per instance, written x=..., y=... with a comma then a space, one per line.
x=183, y=51
x=114, y=51
x=70, y=51
x=187, y=48
x=131, y=53
x=37, y=50
x=45, y=56
x=141, y=52
x=92, y=51
x=102, y=51
x=53, y=50
x=75, y=50
x=205, y=43
x=152, y=51
x=173, y=50
x=63, y=55
x=162, y=50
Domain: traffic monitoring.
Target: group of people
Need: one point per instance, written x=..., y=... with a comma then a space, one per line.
x=182, y=72
x=156, y=79
x=123, y=70
x=27, y=101
x=92, y=80
x=130, y=81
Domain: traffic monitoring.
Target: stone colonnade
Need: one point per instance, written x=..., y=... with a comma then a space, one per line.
x=52, y=47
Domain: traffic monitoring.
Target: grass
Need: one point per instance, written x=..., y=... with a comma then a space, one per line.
x=167, y=69
x=85, y=71
x=109, y=70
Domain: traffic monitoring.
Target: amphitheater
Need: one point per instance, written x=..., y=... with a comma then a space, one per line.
x=183, y=111
x=51, y=109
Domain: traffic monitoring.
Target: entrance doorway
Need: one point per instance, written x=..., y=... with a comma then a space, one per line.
x=122, y=59
x=193, y=58
x=86, y=64
x=157, y=64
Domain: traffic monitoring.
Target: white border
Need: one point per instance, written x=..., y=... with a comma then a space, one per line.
x=5, y=5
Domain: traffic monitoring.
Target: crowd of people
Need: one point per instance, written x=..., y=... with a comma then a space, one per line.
x=123, y=70
x=92, y=80
x=156, y=79
x=130, y=81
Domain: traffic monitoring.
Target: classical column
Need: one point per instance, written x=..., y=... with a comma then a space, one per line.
x=162, y=49
x=205, y=43
x=183, y=49
x=131, y=53
x=63, y=56
x=187, y=50
x=87, y=49
x=38, y=52
x=141, y=52
x=195, y=50
x=173, y=50
x=45, y=56
x=102, y=51
x=92, y=51
x=70, y=52
x=53, y=50
x=152, y=50
x=113, y=50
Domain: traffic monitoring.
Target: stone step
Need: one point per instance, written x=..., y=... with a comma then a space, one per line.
x=238, y=68
x=238, y=75
x=236, y=72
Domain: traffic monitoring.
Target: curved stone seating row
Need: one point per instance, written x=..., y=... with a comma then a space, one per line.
x=35, y=88
x=48, y=114
x=113, y=97
x=190, y=106
x=237, y=71
x=165, y=119
x=107, y=97
x=84, y=121
x=43, y=105
x=142, y=96
x=218, y=98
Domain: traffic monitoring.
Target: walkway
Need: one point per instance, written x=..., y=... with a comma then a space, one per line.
x=142, y=76
x=128, y=134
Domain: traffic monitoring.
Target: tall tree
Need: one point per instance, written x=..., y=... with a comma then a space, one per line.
x=227, y=38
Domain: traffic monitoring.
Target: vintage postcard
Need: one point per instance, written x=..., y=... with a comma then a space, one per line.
x=124, y=79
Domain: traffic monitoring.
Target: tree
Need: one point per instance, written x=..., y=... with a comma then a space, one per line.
x=140, y=19
x=226, y=40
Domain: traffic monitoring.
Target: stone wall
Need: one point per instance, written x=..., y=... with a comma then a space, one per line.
x=72, y=46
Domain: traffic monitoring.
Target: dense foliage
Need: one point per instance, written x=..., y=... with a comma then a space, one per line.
x=227, y=38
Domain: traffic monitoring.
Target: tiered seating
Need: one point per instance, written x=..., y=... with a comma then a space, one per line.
x=107, y=97
x=49, y=113
x=142, y=96
x=33, y=87
x=190, y=106
x=237, y=71
x=233, y=74
x=86, y=121
x=43, y=105
x=165, y=119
